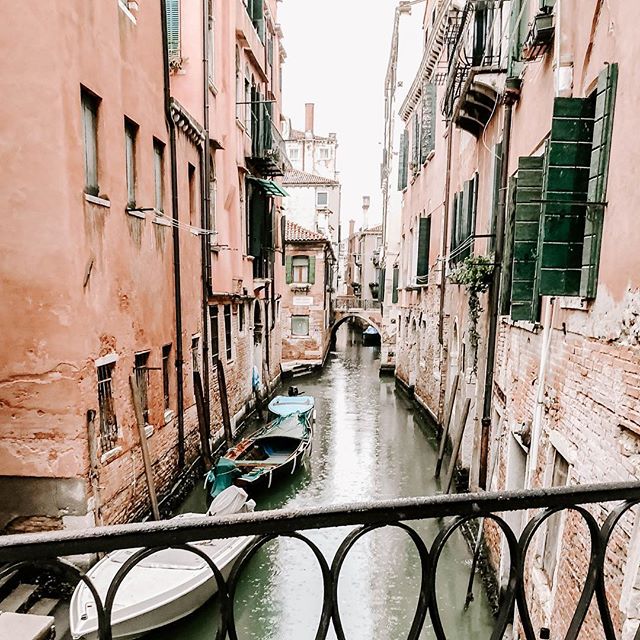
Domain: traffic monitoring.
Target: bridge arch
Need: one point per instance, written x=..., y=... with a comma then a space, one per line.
x=341, y=317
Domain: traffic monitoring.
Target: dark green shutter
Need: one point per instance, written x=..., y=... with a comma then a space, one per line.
x=424, y=240
x=564, y=197
x=427, y=129
x=507, y=256
x=497, y=181
x=598, y=175
x=289, y=269
x=415, y=156
x=283, y=237
x=454, y=223
x=312, y=269
x=524, y=297
x=403, y=159
x=381, y=284
x=396, y=278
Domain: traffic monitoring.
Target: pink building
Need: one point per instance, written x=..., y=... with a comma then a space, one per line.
x=307, y=298
x=135, y=244
x=516, y=154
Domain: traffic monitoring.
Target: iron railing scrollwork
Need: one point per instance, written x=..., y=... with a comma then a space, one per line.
x=39, y=549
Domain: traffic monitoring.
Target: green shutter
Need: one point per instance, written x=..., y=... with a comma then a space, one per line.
x=524, y=297
x=507, y=255
x=312, y=269
x=454, y=223
x=497, y=181
x=396, y=277
x=564, y=197
x=289, y=269
x=381, y=283
x=424, y=240
x=428, y=124
x=403, y=159
x=598, y=176
x=173, y=29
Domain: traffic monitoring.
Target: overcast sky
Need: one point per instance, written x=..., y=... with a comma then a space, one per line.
x=337, y=55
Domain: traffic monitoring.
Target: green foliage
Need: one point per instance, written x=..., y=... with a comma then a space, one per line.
x=475, y=274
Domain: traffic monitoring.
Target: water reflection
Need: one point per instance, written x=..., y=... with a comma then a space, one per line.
x=368, y=445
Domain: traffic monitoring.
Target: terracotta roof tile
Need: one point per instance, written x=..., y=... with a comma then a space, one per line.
x=295, y=233
x=294, y=177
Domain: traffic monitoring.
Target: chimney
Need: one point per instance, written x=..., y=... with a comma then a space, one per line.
x=308, y=117
x=352, y=224
x=366, y=201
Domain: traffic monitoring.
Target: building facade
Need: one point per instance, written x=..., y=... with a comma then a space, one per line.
x=518, y=275
x=156, y=214
x=307, y=300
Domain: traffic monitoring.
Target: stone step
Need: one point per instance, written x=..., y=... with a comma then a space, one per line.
x=43, y=607
x=17, y=598
x=21, y=626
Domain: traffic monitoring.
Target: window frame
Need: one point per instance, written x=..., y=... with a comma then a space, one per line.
x=108, y=422
x=166, y=377
x=90, y=110
x=325, y=193
x=158, y=174
x=214, y=332
x=228, y=331
x=299, y=317
x=304, y=269
x=141, y=371
x=130, y=155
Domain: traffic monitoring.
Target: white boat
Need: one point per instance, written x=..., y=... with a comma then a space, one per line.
x=164, y=587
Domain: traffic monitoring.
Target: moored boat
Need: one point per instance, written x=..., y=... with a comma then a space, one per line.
x=164, y=587
x=277, y=450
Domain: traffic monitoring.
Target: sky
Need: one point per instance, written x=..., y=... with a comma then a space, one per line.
x=337, y=55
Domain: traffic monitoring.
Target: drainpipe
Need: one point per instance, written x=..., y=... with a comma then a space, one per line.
x=205, y=216
x=176, y=234
x=445, y=232
x=512, y=94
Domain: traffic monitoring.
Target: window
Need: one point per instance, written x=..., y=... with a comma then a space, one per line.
x=108, y=422
x=299, y=325
x=173, y=30
x=239, y=94
x=403, y=160
x=215, y=344
x=192, y=195
x=227, y=330
x=322, y=199
x=141, y=363
x=552, y=537
x=90, y=104
x=424, y=242
x=166, y=352
x=463, y=223
x=324, y=153
x=195, y=353
x=241, y=317
x=213, y=194
x=130, y=133
x=294, y=153
x=300, y=266
x=158, y=173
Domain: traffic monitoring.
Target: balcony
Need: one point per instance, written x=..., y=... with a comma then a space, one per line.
x=477, y=64
x=448, y=513
x=268, y=154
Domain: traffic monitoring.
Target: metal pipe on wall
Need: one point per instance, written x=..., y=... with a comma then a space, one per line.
x=176, y=236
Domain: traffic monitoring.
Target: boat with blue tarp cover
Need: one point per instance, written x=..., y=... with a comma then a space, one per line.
x=277, y=450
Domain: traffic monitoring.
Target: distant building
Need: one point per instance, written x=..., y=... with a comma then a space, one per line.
x=307, y=299
x=310, y=152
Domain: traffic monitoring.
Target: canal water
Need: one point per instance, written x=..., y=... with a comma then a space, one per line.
x=368, y=444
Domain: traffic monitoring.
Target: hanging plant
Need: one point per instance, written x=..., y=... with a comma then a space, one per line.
x=475, y=274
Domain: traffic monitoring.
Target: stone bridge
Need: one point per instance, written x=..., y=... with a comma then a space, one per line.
x=353, y=307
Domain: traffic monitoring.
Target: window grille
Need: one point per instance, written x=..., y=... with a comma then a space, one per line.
x=108, y=422
x=142, y=380
x=166, y=352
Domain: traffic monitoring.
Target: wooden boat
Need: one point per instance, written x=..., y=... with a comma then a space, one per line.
x=370, y=336
x=164, y=587
x=276, y=451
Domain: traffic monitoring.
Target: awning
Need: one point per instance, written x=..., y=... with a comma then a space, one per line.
x=270, y=187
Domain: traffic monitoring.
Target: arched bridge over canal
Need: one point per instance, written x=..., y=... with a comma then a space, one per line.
x=368, y=311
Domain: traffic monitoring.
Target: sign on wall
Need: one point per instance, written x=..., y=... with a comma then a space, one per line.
x=302, y=301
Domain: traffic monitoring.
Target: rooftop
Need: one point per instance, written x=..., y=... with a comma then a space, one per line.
x=295, y=177
x=295, y=233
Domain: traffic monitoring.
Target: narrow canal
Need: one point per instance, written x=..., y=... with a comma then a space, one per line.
x=368, y=444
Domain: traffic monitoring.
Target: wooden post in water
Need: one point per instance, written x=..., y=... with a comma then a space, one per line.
x=203, y=425
x=224, y=404
x=137, y=406
x=447, y=422
x=457, y=444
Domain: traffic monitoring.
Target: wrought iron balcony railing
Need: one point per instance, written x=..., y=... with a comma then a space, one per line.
x=451, y=511
x=350, y=303
x=268, y=151
x=476, y=53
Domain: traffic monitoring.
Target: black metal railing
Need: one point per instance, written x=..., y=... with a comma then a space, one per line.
x=451, y=511
x=350, y=303
x=267, y=144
